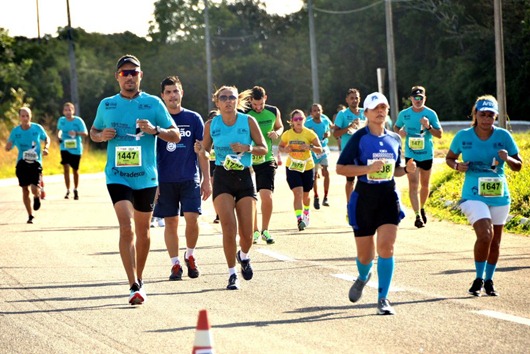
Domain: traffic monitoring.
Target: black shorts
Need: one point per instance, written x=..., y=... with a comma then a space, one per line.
x=299, y=179
x=424, y=165
x=141, y=199
x=28, y=173
x=68, y=158
x=265, y=173
x=350, y=179
x=373, y=205
x=236, y=183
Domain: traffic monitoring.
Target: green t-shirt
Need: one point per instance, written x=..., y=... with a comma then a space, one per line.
x=266, y=120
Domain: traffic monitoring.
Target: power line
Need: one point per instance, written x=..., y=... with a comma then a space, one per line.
x=347, y=11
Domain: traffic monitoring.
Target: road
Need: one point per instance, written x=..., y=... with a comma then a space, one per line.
x=63, y=288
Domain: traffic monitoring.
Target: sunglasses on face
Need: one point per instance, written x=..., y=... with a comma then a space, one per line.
x=225, y=98
x=418, y=98
x=298, y=119
x=125, y=73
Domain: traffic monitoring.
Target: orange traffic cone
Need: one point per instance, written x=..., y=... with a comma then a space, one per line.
x=203, y=338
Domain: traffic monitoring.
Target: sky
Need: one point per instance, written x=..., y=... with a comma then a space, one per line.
x=19, y=17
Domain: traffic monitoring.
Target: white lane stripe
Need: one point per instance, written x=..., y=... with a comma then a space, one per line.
x=275, y=255
x=504, y=316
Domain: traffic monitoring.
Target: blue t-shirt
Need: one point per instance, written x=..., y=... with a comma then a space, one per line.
x=28, y=142
x=320, y=129
x=131, y=156
x=178, y=162
x=417, y=136
x=73, y=145
x=484, y=162
x=364, y=146
x=224, y=135
x=344, y=119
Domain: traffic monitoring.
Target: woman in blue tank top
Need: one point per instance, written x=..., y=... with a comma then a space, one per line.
x=485, y=150
x=236, y=137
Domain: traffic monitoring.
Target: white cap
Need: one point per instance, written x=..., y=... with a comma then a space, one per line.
x=375, y=99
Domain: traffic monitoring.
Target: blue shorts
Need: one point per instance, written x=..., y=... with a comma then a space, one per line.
x=178, y=198
x=373, y=205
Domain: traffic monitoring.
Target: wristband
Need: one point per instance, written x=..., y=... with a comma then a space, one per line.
x=250, y=148
x=405, y=169
x=430, y=127
x=456, y=166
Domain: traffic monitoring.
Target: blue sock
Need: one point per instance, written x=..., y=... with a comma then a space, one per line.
x=490, y=270
x=364, y=269
x=480, y=266
x=385, y=271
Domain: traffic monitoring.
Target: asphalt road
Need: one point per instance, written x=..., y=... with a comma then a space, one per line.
x=63, y=288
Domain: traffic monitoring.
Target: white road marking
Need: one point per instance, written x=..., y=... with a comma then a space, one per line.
x=276, y=255
x=504, y=316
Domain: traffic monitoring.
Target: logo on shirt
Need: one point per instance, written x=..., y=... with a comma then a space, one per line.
x=171, y=147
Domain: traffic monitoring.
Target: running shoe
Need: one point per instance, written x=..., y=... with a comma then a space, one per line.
x=176, y=272
x=384, y=307
x=266, y=236
x=153, y=222
x=418, y=223
x=76, y=195
x=216, y=220
x=489, y=289
x=476, y=287
x=136, y=296
x=161, y=222
x=255, y=237
x=316, y=203
x=301, y=225
x=30, y=219
x=356, y=290
x=193, y=271
x=36, y=203
x=233, y=283
x=325, y=201
x=246, y=268
x=423, y=215
x=305, y=218
x=67, y=195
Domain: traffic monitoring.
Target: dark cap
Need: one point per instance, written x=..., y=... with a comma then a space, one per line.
x=417, y=91
x=127, y=58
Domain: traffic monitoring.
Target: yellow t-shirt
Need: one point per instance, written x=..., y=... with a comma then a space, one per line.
x=294, y=140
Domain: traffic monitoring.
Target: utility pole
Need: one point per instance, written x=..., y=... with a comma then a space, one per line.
x=499, y=63
x=313, y=49
x=391, y=57
x=74, y=96
x=38, y=20
x=209, y=85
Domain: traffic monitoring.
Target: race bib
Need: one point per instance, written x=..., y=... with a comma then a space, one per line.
x=256, y=160
x=70, y=143
x=30, y=155
x=490, y=187
x=386, y=174
x=128, y=156
x=416, y=143
x=297, y=165
x=233, y=163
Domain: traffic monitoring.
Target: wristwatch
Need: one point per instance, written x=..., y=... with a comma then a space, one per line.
x=157, y=130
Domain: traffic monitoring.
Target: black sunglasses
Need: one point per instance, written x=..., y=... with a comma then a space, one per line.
x=224, y=98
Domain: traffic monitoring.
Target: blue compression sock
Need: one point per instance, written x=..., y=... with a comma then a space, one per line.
x=490, y=270
x=385, y=271
x=480, y=266
x=364, y=269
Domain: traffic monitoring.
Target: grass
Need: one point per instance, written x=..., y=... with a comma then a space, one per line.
x=446, y=186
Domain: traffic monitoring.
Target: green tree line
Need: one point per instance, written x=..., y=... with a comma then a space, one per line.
x=448, y=46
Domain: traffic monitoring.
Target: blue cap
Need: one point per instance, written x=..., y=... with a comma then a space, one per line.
x=487, y=105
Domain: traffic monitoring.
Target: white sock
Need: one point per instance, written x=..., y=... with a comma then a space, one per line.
x=243, y=255
x=189, y=252
x=232, y=271
x=175, y=260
